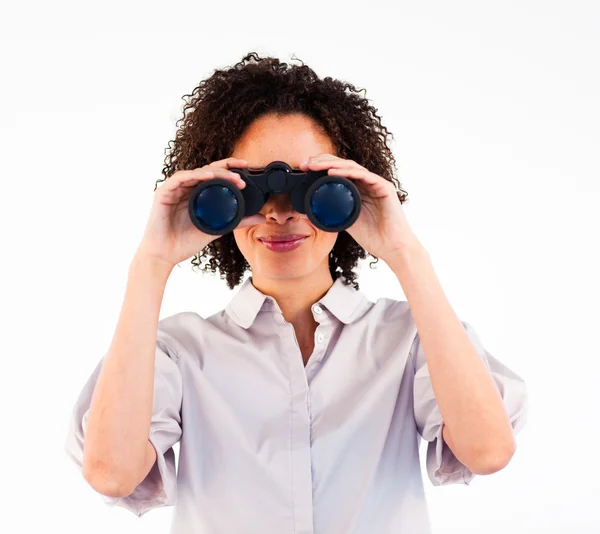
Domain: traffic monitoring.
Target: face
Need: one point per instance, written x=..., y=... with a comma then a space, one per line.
x=292, y=139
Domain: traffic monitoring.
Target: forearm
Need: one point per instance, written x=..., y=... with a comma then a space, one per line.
x=477, y=426
x=121, y=408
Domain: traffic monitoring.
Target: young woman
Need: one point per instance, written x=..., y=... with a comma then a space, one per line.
x=300, y=406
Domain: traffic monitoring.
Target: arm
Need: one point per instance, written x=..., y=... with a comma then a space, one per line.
x=117, y=453
x=476, y=426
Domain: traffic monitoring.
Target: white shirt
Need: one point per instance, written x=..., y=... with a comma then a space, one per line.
x=270, y=446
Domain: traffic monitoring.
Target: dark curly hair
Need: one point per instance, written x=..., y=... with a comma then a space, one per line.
x=224, y=105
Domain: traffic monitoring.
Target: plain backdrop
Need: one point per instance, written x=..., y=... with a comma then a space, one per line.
x=495, y=112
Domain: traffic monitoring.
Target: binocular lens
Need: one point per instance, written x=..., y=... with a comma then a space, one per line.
x=332, y=204
x=216, y=206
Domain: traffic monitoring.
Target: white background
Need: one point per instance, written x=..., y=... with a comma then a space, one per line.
x=495, y=111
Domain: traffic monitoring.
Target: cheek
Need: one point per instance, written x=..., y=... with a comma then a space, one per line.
x=327, y=240
x=241, y=239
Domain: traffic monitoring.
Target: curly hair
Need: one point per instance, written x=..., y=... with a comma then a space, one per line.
x=222, y=107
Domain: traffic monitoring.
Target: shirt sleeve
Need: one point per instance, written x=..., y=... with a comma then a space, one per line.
x=159, y=488
x=442, y=465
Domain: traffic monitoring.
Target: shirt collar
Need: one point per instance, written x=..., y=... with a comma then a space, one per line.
x=344, y=302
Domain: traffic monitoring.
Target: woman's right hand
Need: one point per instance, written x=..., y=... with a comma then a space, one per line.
x=170, y=236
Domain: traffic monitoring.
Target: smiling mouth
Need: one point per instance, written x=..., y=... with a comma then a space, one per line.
x=281, y=238
x=283, y=246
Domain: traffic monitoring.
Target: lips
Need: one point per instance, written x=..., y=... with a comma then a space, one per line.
x=283, y=246
x=284, y=238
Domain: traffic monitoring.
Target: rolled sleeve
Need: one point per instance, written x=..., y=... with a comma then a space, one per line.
x=159, y=488
x=442, y=465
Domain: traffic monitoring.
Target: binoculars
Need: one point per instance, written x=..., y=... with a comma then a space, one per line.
x=332, y=203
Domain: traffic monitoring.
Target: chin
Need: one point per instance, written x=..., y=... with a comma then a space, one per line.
x=285, y=272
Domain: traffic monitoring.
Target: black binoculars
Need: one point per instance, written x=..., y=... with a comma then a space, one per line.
x=332, y=203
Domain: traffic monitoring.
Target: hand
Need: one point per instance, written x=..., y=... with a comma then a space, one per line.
x=381, y=228
x=170, y=236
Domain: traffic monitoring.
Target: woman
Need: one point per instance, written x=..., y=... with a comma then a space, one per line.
x=299, y=407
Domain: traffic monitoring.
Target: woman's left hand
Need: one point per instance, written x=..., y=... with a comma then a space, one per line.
x=381, y=228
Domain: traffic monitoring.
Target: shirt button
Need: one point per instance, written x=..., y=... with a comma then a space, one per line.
x=320, y=338
x=317, y=309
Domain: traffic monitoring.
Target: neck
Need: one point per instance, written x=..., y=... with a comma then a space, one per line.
x=295, y=296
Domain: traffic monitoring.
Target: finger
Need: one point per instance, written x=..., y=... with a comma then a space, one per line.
x=184, y=182
x=374, y=184
x=252, y=220
x=179, y=190
x=181, y=177
x=322, y=163
x=192, y=177
x=215, y=167
x=352, y=172
x=337, y=162
x=230, y=163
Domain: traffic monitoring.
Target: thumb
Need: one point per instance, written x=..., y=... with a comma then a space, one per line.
x=252, y=220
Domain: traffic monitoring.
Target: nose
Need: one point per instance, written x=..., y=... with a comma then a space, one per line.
x=279, y=208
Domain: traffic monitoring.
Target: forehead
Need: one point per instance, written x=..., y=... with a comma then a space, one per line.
x=272, y=137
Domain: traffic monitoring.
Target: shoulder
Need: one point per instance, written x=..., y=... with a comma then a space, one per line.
x=179, y=332
x=386, y=331
x=385, y=312
x=188, y=332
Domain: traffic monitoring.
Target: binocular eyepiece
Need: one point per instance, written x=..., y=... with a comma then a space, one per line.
x=332, y=203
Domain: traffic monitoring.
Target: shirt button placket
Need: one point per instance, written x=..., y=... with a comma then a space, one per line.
x=318, y=310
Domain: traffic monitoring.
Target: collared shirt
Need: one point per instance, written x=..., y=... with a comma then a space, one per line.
x=270, y=446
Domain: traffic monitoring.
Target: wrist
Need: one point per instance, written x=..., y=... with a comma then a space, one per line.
x=406, y=254
x=158, y=266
